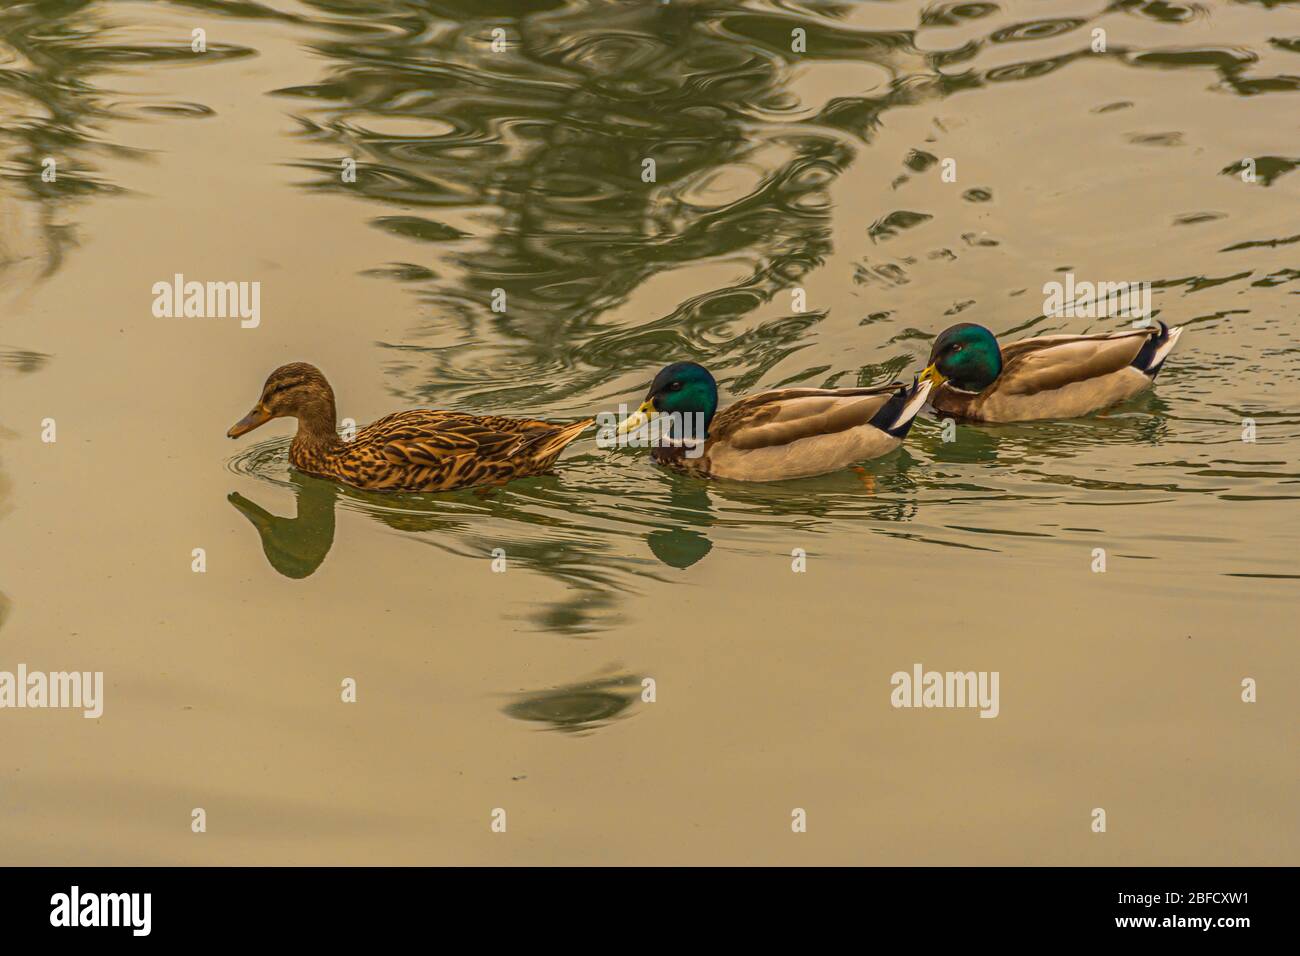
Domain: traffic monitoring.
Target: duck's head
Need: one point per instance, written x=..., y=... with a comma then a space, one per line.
x=682, y=389
x=966, y=355
x=297, y=391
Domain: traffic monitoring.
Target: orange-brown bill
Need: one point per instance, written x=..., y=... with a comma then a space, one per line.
x=258, y=416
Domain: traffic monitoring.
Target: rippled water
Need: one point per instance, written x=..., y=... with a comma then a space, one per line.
x=779, y=176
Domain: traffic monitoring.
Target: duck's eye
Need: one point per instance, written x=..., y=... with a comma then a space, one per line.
x=675, y=387
x=956, y=347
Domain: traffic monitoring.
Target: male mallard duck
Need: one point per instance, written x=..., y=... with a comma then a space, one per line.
x=771, y=436
x=418, y=450
x=1052, y=376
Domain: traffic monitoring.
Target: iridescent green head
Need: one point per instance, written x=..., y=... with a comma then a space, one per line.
x=967, y=356
x=681, y=389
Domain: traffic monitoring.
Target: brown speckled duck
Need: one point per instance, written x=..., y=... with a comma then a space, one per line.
x=419, y=450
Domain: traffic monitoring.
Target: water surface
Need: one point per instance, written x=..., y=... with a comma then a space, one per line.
x=521, y=171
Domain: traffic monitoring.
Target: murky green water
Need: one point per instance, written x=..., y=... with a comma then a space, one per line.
x=798, y=230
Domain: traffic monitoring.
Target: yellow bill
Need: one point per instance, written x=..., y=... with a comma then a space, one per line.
x=640, y=417
x=933, y=375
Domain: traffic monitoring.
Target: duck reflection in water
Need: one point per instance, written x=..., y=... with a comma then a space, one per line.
x=681, y=544
x=296, y=546
x=458, y=524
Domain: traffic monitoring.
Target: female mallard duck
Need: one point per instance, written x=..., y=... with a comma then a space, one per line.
x=419, y=450
x=1052, y=376
x=787, y=433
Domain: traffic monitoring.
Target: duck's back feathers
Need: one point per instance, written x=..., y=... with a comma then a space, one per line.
x=783, y=416
x=425, y=450
x=801, y=432
x=1064, y=376
x=427, y=438
x=1055, y=361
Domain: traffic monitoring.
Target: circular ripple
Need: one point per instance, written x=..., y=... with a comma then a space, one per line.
x=267, y=460
x=951, y=14
x=1036, y=29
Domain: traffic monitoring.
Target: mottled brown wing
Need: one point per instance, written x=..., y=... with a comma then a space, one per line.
x=1054, y=361
x=429, y=439
x=786, y=415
